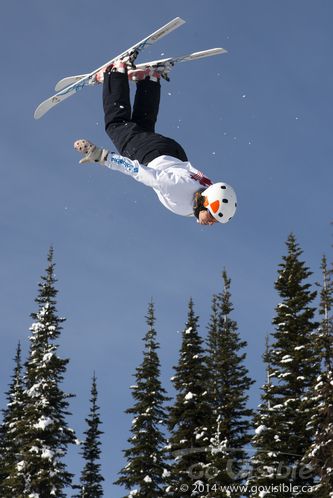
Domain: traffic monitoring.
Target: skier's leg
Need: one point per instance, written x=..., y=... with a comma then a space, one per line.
x=117, y=108
x=146, y=104
x=145, y=111
x=133, y=140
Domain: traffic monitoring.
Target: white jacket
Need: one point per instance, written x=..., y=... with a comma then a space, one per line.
x=175, y=182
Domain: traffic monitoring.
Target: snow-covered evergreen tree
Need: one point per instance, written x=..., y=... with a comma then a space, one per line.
x=229, y=384
x=282, y=430
x=91, y=477
x=11, y=437
x=320, y=453
x=266, y=439
x=41, y=469
x=144, y=473
x=190, y=415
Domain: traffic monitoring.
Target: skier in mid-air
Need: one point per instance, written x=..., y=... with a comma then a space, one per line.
x=150, y=158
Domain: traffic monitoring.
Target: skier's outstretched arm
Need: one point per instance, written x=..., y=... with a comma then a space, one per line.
x=138, y=171
x=116, y=162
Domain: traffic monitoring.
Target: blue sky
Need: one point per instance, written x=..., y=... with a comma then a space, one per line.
x=258, y=118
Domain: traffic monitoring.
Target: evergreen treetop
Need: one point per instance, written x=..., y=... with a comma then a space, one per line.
x=11, y=436
x=46, y=433
x=229, y=385
x=146, y=468
x=190, y=415
x=91, y=477
x=282, y=430
x=320, y=452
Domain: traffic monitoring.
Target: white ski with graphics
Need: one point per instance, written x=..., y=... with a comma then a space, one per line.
x=158, y=63
x=77, y=85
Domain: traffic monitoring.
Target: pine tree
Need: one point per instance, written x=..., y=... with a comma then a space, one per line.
x=144, y=473
x=325, y=338
x=190, y=415
x=228, y=394
x=320, y=453
x=294, y=365
x=91, y=477
x=11, y=438
x=266, y=439
x=46, y=434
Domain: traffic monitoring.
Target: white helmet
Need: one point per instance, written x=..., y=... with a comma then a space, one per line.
x=221, y=201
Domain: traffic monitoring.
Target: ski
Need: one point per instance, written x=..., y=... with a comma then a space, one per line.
x=182, y=58
x=69, y=80
x=161, y=62
x=77, y=85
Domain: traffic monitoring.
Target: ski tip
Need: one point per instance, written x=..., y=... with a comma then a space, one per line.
x=179, y=20
x=210, y=51
x=42, y=109
x=37, y=113
x=69, y=80
x=220, y=50
x=170, y=26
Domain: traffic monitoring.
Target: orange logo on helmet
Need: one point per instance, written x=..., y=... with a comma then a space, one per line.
x=215, y=206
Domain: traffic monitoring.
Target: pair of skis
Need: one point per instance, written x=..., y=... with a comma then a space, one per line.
x=72, y=84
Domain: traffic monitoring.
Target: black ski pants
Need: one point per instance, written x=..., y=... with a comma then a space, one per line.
x=133, y=134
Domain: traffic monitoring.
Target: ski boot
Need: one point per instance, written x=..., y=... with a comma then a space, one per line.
x=119, y=66
x=154, y=73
